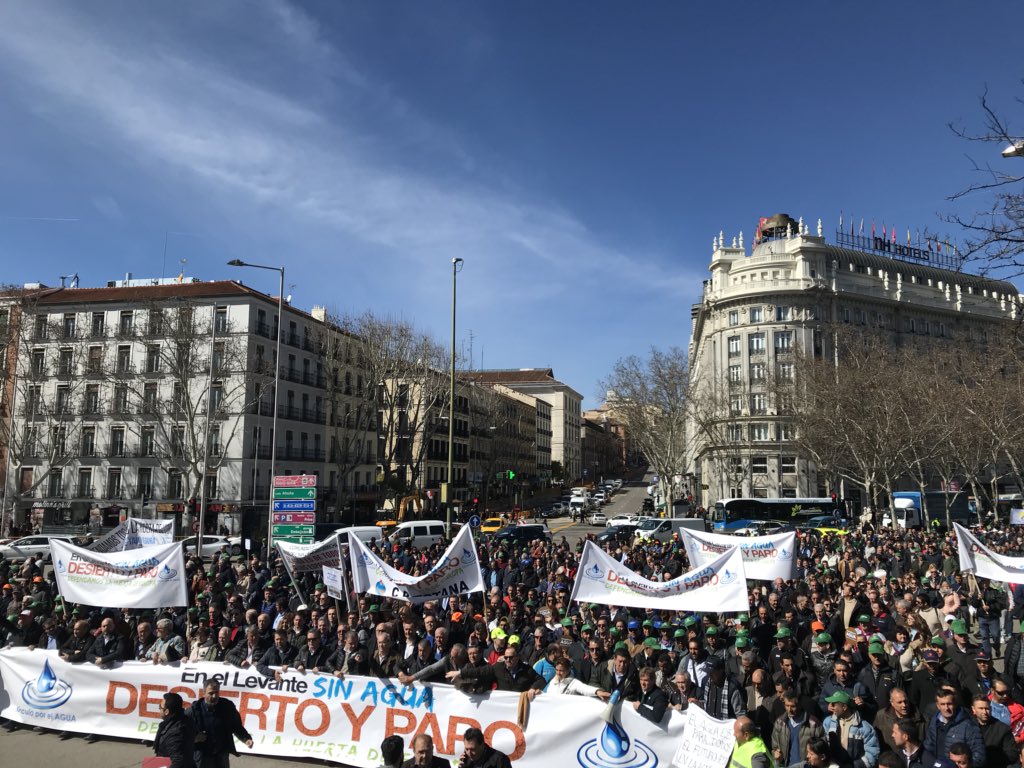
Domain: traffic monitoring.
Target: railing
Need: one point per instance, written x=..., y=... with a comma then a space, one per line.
x=265, y=330
x=301, y=414
x=292, y=453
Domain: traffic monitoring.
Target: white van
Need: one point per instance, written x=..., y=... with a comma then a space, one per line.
x=420, y=533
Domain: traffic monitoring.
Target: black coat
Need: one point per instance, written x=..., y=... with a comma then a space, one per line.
x=628, y=687
x=219, y=723
x=108, y=650
x=653, y=704
x=175, y=738
x=525, y=678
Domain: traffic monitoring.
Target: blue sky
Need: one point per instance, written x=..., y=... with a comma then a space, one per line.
x=579, y=156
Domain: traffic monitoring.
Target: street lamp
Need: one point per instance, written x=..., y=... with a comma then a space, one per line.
x=456, y=264
x=277, y=392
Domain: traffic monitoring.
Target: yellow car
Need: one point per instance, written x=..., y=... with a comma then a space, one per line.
x=492, y=525
x=836, y=531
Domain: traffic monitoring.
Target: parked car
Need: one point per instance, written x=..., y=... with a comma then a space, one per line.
x=26, y=546
x=622, y=520
x=558, y=509
x=522, y=534
x=214, y=544
x=623, y=533
x=597, y=518
x=601, y=497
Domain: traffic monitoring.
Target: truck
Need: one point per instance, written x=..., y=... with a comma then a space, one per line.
x=912, y=512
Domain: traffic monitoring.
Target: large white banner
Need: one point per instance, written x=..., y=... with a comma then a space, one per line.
x=456, y=573
x=976, y=557
x=707, y=741
x=764, y=557
x=148, y=577
x=134, y=533
x=300, y=558
x=720, y=586
x=327, y=718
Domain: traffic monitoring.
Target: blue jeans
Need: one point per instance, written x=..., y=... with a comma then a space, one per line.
x=990, y=632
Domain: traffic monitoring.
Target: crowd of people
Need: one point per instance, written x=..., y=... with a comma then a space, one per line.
x=879, y=653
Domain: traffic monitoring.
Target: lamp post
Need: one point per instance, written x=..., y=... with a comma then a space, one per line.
x=277, y=393
x=456, y=264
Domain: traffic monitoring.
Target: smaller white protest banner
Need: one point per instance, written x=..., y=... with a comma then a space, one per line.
x=707, y=742
x=134, y=533
x=456, y=573
x=1017, y=517
x=976, y=557
x=719, y=586
x=334, y=580
x=147, y=577
x=301, y=558
x=764, y=557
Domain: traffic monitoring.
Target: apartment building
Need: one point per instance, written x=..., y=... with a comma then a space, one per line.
x=149, y=396
x=759, y=308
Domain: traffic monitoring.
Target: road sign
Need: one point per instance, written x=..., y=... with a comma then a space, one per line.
x=474, y=521
x=294, y=539
x=295, y=518
x=295, y=506
x=295, y=481
x=295, y=493
x=292, y=530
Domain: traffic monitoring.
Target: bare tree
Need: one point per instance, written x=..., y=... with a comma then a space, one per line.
x=995, y=234
x=651, y=397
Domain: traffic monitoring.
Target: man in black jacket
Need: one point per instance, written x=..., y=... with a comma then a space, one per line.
x=175, y=736
x=509, y=675
x=423, y=754
x=217, y=725
x=76, y=648
x=621, y=677
x=1000, y=748
x=280, y=654
x=653, y=702
x=109, y=647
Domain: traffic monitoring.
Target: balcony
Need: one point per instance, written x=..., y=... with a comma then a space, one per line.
x=291, y=339
x=261, y=409
x=291, y=374
x=309, y=415
x=293, y=453
x=312, y=380
x=259, y=452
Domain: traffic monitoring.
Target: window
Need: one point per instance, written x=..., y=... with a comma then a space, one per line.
x=117, y=442
x=220, y=320
x=56, y=484
x=178, y=399
x=60, y=441
x=88, y=441
x=757, y=314
x=114, y=483
x=734, y=346
x=759, y=465
x=783, y=341
x=94, y=362
x=33, y=400
x=211, y=486
x=155, y=322
x=121, y=398
x=735, y=433
x=68, y=326
x=216, y=396
x=734, y=317
x=124, y=358
x=98, y=324
x=735, y=374
x=178, y=441
x=126, y=323
x=759, y=432
x=147, y=442
x=63, y=400
x=786, y=371
x=145, y=484
x=735, y=405
x=782, y=314
x=844, y=313
x=789, y=465
x=215, y=446
x=735, y=465
x=85, y=483
x=92, y=399
x=758, y=403
x=757, y=372
x=861, y=317
x=925, y=327
x=65, y=363
x=149, y=398
x=42, y=322
x=755, y=343
x=787, y=432
x=152, y=358
x=38, y=362
x=175, y=487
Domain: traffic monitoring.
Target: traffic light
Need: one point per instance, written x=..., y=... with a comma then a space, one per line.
x=833, y=497
x=511, y=474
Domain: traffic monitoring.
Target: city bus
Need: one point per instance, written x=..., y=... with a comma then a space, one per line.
x=733, y=514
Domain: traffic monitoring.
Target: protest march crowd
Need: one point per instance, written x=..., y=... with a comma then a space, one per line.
x=880, y=652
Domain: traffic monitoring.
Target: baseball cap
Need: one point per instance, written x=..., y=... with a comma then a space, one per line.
x=876, y=648
x=938, y=640
x=742, y=618
x=633, y=624
x=823, y=637
x=690, y=621
x=863, y=619
x=715, y=662
x=931, y=656
x=783, y=632
x=679, y=633
x=457, y=616
x=742, y=642
x=586, y=628
x=651, y=642
x=959, y=627
x=498, y=633
x=514, y=640
x=648, y=623
x=982, y=656
x=818, y=626
x=712, y=630
x=839, y=697
x=566, y=622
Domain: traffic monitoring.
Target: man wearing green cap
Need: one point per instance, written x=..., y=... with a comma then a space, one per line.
x=853, y=738
x=879, y=679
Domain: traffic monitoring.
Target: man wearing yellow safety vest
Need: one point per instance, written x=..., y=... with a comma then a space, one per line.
x=750, y=751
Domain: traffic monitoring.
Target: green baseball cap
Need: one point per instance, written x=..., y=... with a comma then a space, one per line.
x=959, y=627
x=586, y=628
x=620, y=645
x=647, y=623
x=690, y=621
x=876, y=649
x=566, y=622
x=679, y=633
x=823, y=637
x=938, y=640
x=742, y=642
x=712, y=630
x=839, y=697
x=650, y=642
x=783, y=632
x=742, y=618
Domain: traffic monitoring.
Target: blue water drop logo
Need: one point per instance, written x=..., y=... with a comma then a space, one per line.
x=594, y=572
x=727, y=577
x=613, y=748
x=785, y=554
x=47, y=691
x=614, y=739
x=379, y=586
x=468, y=555
x=166, y=573
x=61, y=567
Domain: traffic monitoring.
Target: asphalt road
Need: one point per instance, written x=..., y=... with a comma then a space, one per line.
x=627, y=501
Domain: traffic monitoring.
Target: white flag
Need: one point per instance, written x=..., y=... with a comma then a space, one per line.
x=134, y=533
x=456, y=573
x=148, y=577
x=975, y=556
x=301, y=558
x=764, y=557
x=720, y=586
